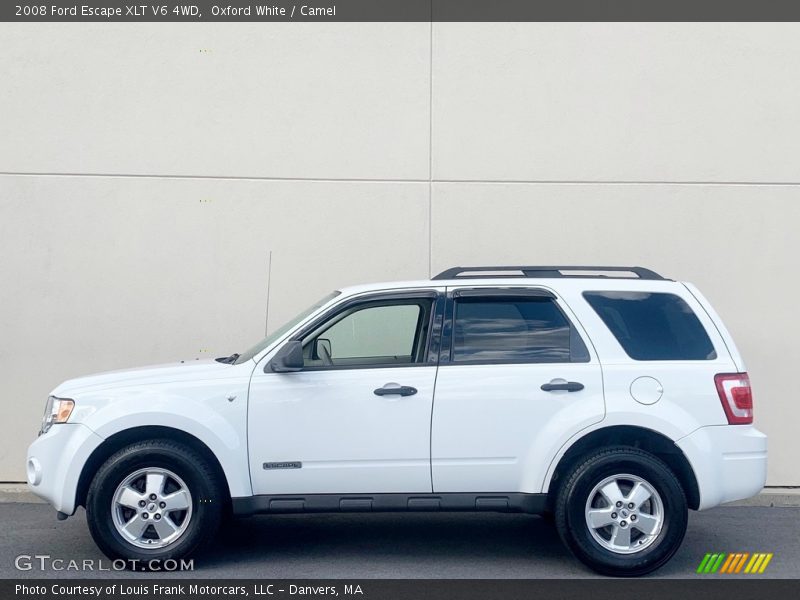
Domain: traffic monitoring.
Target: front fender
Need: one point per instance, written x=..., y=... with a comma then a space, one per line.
x=218, y=423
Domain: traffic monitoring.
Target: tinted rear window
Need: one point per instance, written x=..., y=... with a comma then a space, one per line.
x=653, y=326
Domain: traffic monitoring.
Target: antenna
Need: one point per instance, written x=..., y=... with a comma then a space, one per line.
x=269, y=281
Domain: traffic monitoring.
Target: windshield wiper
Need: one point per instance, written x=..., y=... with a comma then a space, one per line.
x=228, y=359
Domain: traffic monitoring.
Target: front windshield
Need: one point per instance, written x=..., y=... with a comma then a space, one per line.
x=275, y=335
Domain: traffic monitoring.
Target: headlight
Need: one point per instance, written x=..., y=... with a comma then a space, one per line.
x=57, y=410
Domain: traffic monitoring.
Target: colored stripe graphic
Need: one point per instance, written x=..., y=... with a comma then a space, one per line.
x=741, y=562
x=757, y=564
x=718, y=564
x=727, y=565
x=752, y=562
x=703, y=563
x=764, y=564
x=721, y=562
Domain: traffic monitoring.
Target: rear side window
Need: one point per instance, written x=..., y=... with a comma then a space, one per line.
x=653, y=326
x=529, y=330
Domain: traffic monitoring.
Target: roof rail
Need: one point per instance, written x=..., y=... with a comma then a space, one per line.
x=563, y=271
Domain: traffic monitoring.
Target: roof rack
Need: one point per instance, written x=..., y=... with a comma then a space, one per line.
x=563, y=271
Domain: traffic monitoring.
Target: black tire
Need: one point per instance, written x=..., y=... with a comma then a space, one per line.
x=571, y=504
x=202, y=481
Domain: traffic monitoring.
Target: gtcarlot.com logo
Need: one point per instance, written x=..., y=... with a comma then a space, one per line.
x=45, y=562
x=736, y=562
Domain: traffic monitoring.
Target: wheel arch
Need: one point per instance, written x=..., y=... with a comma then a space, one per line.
x=634, y=436
x=125, y=437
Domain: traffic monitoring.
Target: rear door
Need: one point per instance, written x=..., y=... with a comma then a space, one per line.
x=516, y=375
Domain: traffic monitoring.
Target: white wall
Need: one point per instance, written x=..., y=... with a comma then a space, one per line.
x=147, y=172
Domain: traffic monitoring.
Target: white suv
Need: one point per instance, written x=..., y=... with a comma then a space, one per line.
x=609, y=399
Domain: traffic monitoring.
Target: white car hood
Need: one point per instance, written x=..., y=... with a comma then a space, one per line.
x=168, y=372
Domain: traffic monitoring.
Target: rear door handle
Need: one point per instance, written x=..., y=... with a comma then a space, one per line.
x=559, y=385
x=394, y=389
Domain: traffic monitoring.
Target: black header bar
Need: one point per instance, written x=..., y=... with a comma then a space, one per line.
x=399, y=10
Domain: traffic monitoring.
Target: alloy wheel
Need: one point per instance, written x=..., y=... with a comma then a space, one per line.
x=151, y=508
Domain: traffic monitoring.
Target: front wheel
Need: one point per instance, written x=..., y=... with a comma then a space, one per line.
x=154, y=501
x=622, y=512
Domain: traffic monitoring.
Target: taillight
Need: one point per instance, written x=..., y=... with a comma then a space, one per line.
x=736, y=397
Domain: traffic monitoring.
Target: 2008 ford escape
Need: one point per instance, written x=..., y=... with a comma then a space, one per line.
x=610, y=398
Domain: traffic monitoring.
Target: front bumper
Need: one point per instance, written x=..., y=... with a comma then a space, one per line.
x=55, y=461
x=729, y=462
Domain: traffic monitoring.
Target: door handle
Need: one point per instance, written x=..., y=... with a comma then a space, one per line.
x=560, y=384
x=393, y=389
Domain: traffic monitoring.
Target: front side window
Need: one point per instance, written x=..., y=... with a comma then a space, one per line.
x=533, y=330
x=653, y=326
x=376, y=333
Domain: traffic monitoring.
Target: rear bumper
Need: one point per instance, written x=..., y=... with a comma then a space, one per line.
x=55, y=461
x=729, y=462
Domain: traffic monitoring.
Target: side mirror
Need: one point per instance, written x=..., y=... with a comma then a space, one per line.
x=289, y=358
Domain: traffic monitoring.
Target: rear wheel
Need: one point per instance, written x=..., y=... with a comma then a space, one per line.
x=154, y=500
x=622, y=512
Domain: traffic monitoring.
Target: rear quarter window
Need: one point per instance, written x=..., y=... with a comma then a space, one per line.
x=653, y=326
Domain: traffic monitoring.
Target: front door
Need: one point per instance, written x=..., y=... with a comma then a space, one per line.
x=356, y=418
